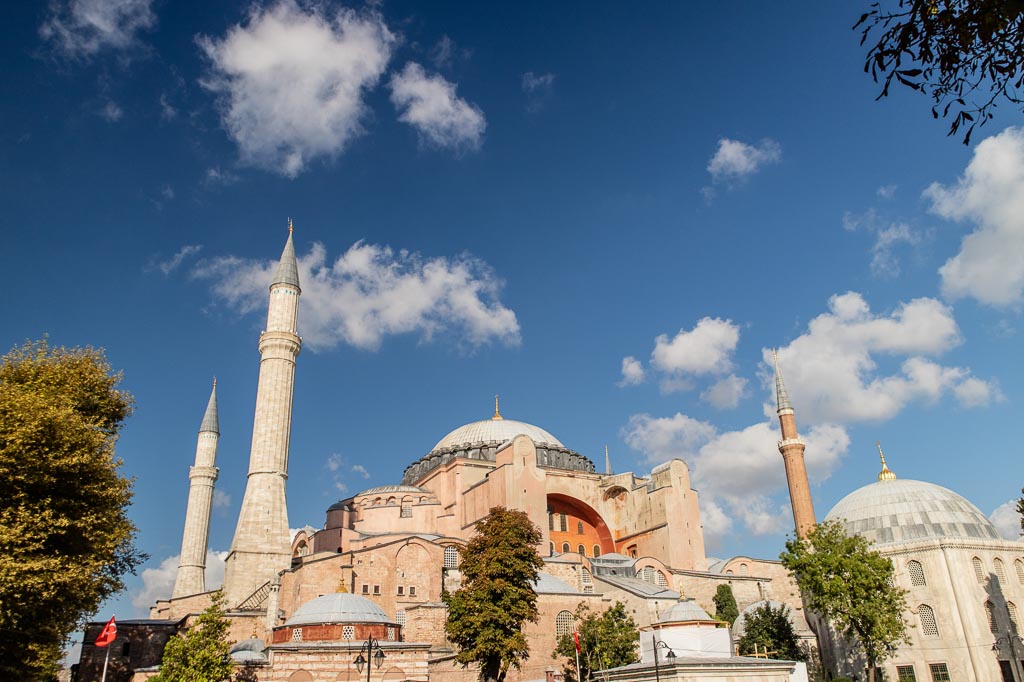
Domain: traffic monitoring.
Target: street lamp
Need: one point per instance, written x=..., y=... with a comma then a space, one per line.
x=658, y=644
x=1010, y=640
x=374, y=651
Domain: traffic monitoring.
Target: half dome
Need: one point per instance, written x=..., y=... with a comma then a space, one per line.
x=340, y=607
x=491, y=430
x=893, y=512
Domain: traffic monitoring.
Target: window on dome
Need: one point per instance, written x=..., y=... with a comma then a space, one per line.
x=660, y=580
x=1011, y=608
x=999, y=570
x=979, y=569
x=348, y=632
x=916, y=574
x=451, y=556
x=905, y=673
x=563, y=623
x=1018, y=566
x=743, y=569
x=929, y=628
x=579, y=528
x=597, y=551
x=296, y=634
x=566, y=548
x=990, y=613
x=647, y=574
x=581, y=550
x=940, y=673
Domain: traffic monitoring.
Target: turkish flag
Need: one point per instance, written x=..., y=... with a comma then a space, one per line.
x=576, y=638
x=108, y=634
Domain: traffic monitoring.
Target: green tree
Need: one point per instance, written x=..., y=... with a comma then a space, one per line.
x=607, y=641
x=725, y=604
x=966, y=55
x=1020, y=510
x=499, y=567
x=851, y=586
x=201, y=654
x=767, y=628
x=65, y=537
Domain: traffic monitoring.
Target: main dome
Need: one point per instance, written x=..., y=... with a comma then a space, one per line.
x=893, y=512
x=491, y=430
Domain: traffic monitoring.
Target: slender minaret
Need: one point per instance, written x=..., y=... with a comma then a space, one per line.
x=192, y=564
x=791, y=447
x=607, y=462
x=262, y=543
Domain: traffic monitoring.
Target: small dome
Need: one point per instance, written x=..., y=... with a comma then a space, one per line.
x=490, y=430
x=893, y=512
x=248, y=651
x=684, y=610
x=340, y=607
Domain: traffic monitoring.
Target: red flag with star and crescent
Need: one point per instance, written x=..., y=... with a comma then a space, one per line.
x=576, y=638
x=108, y=634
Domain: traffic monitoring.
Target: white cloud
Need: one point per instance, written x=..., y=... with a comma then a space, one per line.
x=533, y=82
x=632, y=372
x=221, y=499
x=705, y=349
x=218, y=176
x=887, y=191
x=361, y=470
x=81, y=28
x=1007, y=520
x=889, y=237
x=734, y=160
x=973, y=392
x=726, y=393
x=335, y=462
x=167, y=110
x=174, y=262
x=737, y=472
x=158, y=582
x=291, y=81
x=832, y=372
x=429, y=104
x=111, y=112
x=990, y=194
x=372, y=291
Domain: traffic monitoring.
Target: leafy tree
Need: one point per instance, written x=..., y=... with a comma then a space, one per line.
x=201, y=654
x=851, y=586
x=767, y=628
x=499, y=567
x=1020, y=510
x=65, y=537
x=966, y=55
x=607, y=640
x=725, y=604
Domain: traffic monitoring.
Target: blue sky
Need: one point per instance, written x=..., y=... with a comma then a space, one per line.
x=606, y=215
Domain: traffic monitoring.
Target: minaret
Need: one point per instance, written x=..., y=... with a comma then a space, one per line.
x=262, y=543
x=192, y=564
x=791, y=447
x=607, y=462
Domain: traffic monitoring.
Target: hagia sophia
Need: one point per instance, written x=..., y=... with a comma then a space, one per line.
x=376, y=565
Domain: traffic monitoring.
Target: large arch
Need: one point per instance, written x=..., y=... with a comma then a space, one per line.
x=595, y=530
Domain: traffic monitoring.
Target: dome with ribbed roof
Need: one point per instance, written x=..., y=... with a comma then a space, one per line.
x=892, y=512
x=340, y=607
x=495, y=430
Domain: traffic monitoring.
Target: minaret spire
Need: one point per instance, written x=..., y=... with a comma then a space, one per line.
x=607, y=461
x=885, y=474
x=262, y=543
x=791, y=447
x=192, y=563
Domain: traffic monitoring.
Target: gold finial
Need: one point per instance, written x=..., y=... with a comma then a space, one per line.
x=497, y=415
x=290, y=226
x=342, y=587
x=215, y=382
x=886, y=474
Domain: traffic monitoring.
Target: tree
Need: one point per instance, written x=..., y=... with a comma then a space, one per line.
x=201, y=654
x=65, y=537
x=499, y=567
x=725, y=604
x=851, y=586
x=966, y=55
x=769, y=629
x=1020, y=510
x=607, y=641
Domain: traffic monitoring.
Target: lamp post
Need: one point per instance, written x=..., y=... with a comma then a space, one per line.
x=1011, y=639
x=658, y=644
x=373, y=650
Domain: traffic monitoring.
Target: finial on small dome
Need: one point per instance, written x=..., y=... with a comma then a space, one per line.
x=497, y=415
x=885, y=474
x=342, y=587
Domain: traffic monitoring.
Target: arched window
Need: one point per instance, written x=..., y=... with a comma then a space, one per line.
x=979, y=570
x=579, y=528
x=1018, y=566
x=451, y=556
x=566, y=548
x=1012, y=609
x=999, y=570
x=563, y=523
x=916, y=573
x=563, y=623
x=588, y=581
x=929, y=628
x=660, y=580
x=597, y=553
x=990, y=613
x=647, y=574
x=743, y=569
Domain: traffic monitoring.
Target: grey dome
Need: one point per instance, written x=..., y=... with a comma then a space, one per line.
x=494, y=431
x=893, y=512
x=684, y=610
x=340, y=607
x=248, y=651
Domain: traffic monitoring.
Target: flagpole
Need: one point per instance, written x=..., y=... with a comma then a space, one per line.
x=105, y=661
x=579, y=678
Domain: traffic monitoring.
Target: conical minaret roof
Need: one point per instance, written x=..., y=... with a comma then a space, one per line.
x=211, y=422
x=781, y=397
x=288, y=268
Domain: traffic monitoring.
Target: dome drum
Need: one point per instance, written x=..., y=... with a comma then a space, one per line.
x=548, y=455
x=336, y=632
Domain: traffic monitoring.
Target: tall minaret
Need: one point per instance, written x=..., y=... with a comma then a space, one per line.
x=192, y=564
x=791, y=447
x=262, y=544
